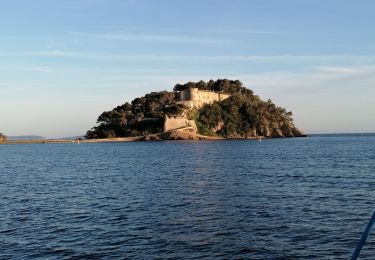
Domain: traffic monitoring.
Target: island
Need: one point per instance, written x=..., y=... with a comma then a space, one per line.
x=221, y=109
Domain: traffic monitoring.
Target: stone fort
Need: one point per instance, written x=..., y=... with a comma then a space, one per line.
x=192, y=98
x=196, y=98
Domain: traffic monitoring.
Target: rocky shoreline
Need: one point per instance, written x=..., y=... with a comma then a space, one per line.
x=165, y=136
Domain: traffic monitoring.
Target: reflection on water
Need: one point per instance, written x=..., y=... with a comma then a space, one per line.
x=305, y=198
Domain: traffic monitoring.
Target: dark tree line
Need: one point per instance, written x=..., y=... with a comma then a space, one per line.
x=144, y=115
x=244, y=116
x=220, y=85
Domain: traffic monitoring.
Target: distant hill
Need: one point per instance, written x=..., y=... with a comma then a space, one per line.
x=25, y=137
x=342, y=134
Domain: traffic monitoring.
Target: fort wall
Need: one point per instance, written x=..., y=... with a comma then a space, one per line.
x=195, y=98
x=178, y=122
x=192, y=98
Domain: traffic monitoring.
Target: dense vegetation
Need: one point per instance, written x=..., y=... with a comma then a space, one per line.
x=142, y=116
x=243, y=115
x=221, y=85
x=246, y=116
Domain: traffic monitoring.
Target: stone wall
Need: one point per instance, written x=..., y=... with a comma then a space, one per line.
x=178, y=122
x=192, y=98
x=195, y=98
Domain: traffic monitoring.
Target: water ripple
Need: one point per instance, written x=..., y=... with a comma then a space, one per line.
x=307, y=198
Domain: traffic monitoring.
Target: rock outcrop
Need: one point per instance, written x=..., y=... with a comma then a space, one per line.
x=178, y=122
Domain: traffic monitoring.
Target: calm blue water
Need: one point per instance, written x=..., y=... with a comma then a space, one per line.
x=303, y=198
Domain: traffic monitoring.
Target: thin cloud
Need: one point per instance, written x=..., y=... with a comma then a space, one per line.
x=315, y=80
x=42, y=69
x=321, y=80
x=348, y=70
x=162, y=38
x=246, y=31
x=216, y=58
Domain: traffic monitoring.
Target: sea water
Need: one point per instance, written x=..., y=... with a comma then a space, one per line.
x=301, y=198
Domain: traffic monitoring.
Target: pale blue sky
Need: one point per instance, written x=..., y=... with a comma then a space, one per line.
x=63, y=62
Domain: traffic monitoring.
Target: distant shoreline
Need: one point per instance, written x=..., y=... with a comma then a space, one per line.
x=62, y=141
x=194, y=137
x=171, y=135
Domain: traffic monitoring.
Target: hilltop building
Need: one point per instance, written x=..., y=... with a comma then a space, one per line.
x=191, y=98
x=196, y=98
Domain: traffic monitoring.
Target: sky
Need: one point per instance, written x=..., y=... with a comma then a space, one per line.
x=64, y=62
